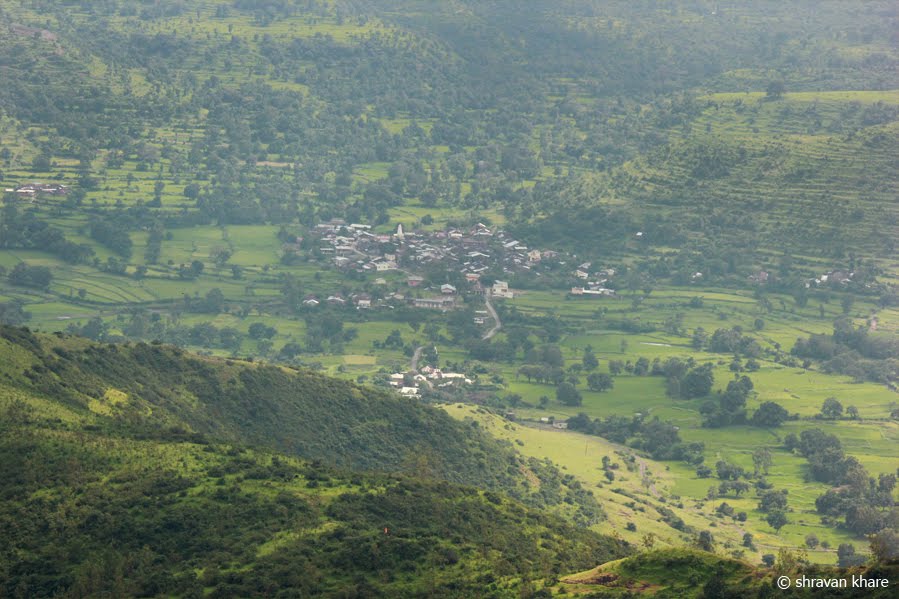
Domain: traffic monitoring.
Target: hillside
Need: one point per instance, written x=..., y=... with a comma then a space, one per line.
x=86, y=513
x=686, y=573
x=153, y=392
x=154, y=483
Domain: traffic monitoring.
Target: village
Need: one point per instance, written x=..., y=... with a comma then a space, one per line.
x=468, y=253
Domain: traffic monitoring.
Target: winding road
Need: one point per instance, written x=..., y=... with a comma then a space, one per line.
x=489, y=334
x=413, y=367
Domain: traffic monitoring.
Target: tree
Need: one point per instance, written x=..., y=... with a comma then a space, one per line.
x=567, y=394
x=41, y=162
x=25, y=275
x=12, y=313
x=761, y=460
x=773, y=501
x=831, y=409
x=589, y=360
x=641, y=367
x=600, y=381
x=214, y=302
x=728, y=471
x=777, y=520
x=852, y=412
x=811, y=540
x=716, y=586
x=259, y=330
x=846, y=303
x=95, y=329
x=885, y=545
x=698, y=382
x=846, y=556
x=705, y=541
x=775, y=90
x=768, y=559
x=700, y=339
x=770, y=414
x=748, y=540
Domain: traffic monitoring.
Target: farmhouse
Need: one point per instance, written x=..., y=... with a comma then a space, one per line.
x=363, y=301
x=501, y=289
x=434, y=303
x=383, y=265
x=759, y=278
x=594, y=292
x=36, y=188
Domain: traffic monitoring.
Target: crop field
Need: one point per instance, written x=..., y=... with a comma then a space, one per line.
x=676, y=487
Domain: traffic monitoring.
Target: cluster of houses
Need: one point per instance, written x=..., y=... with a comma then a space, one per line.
x=839, y=277
x=833, y=277
x=470, y=251
x=410, y=383
x=33, y=189
x=361, y=300
x=594, y=283
x=761, y=277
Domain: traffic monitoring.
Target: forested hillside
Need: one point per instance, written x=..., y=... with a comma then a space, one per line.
x=270, y=112
x=157, y=392
x=120, y=477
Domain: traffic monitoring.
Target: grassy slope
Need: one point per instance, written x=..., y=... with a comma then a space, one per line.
x=150, y=388
x=873, y=439
x=686, y=573
x=115, y=492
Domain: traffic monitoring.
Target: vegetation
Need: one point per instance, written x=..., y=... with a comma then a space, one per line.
x=694, y=206
x=181, y=502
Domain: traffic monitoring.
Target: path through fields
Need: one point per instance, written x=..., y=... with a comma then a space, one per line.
x=496, y=327
x=413, y=367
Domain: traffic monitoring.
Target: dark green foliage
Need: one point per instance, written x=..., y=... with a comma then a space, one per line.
x=769, y=414
x=772, y=501
x=831, y=409
x=11, y=313
x=730, y=407
x=660, y=439
x=172, y=502
x=299, y=413
x=112, y=235
x=23, y=230
x=147, y=529
x=26, y=275
x=697, y=382
x=600, y=381
x=853, y=351
x=866, y=505
x=847, y=557
x=567, y=394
